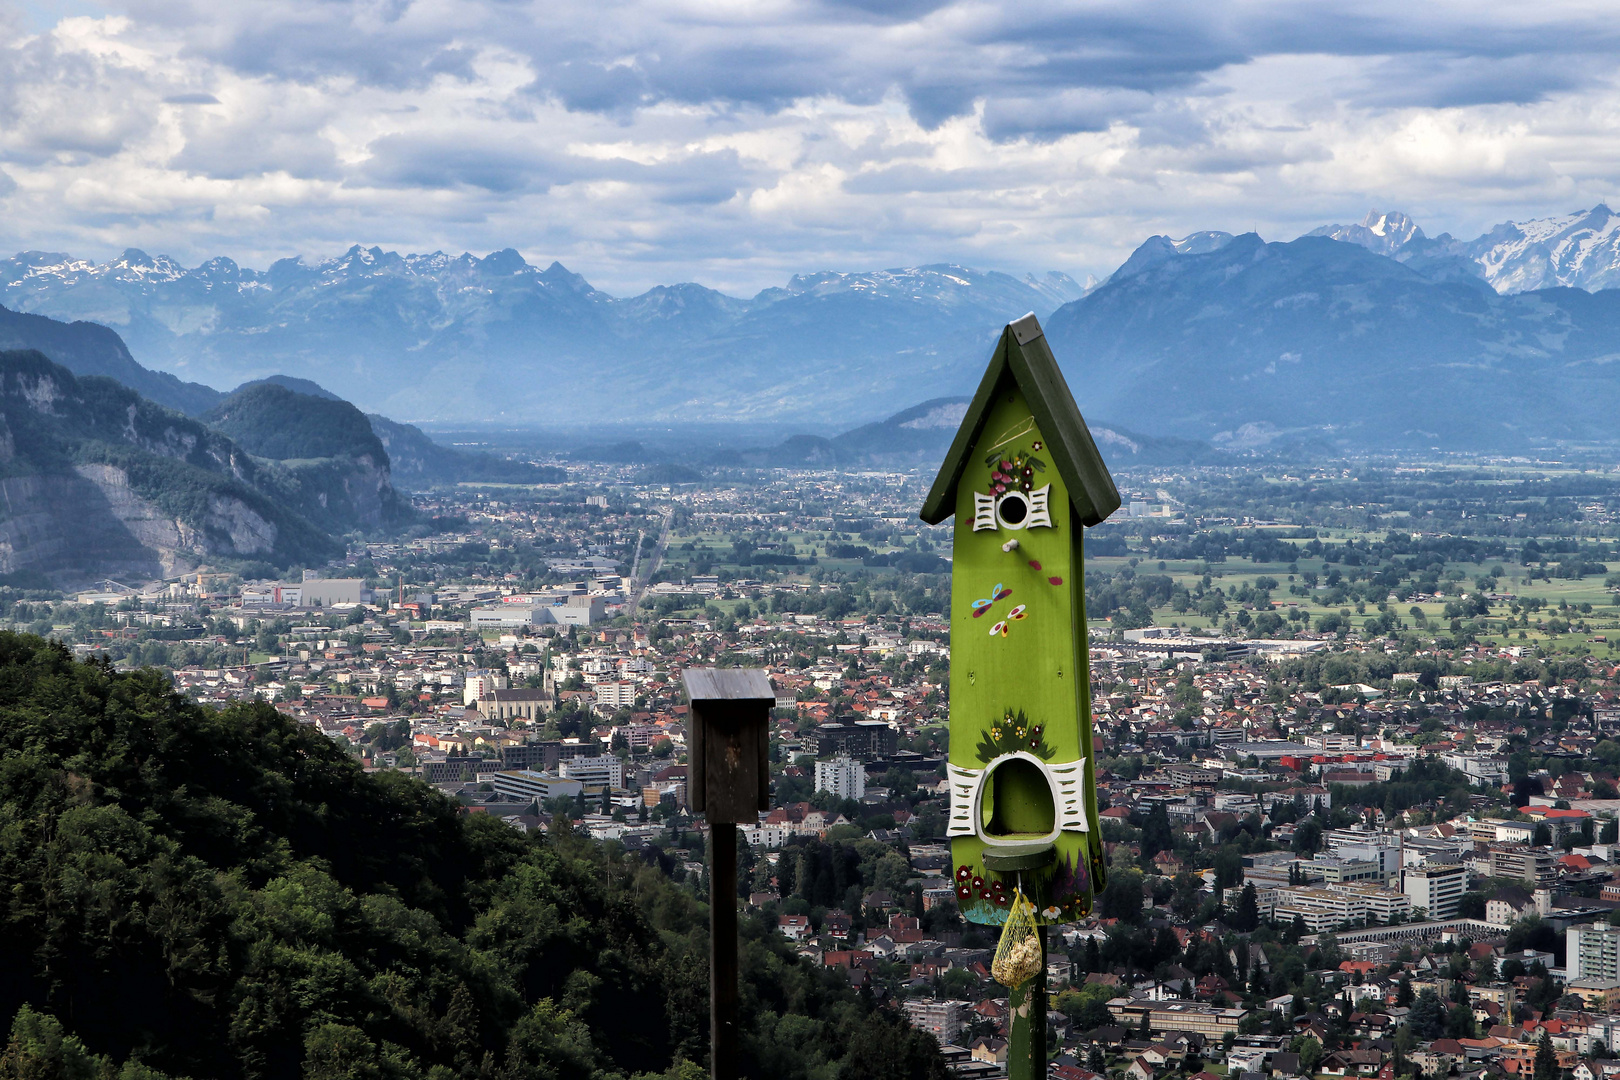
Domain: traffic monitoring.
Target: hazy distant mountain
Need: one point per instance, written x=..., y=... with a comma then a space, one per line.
x=86, y=348
x=97, y=481
x=468, y=339
x=1255, y=343
x=920, y=436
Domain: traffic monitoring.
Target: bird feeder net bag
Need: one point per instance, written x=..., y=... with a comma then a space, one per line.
x=1018, y=954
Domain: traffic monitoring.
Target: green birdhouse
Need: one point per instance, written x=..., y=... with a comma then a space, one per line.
x=1023, y=479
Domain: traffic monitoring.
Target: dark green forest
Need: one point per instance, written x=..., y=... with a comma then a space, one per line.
x=274, y=422
x=191, y=892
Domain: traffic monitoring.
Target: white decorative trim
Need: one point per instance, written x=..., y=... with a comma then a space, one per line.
x=984, y=512
x=1065, y=779
x=1070, y=779
x=964, y=797
x=1040, y=514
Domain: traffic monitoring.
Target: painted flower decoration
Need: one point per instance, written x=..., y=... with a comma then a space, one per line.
x=1036, y=445
x=1013, y=732
x=963, y=873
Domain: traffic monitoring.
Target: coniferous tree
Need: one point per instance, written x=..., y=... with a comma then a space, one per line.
x=1546, y=1060
x=1156, y=833
x=1246, y=917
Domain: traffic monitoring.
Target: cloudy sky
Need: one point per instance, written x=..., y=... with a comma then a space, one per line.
x=734, y=142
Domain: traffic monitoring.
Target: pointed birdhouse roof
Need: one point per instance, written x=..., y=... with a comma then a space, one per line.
x=1023, y=359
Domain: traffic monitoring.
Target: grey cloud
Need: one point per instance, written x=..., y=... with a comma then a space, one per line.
x=1438, y=81
x=191, y=99
x=616, y=57
x=439, y=161
x=252, y=146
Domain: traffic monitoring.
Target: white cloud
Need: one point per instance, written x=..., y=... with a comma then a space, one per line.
x=734, y=143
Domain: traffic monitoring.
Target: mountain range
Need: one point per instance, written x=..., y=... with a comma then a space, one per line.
x=921, y=435
x=1354, y=336
x=1317, y=339
x=464, y=339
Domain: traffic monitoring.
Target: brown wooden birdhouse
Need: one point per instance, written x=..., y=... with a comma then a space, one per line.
x=728, y=742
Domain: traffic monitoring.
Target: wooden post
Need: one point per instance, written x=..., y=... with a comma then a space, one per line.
x=728, y=741
x=723, y=952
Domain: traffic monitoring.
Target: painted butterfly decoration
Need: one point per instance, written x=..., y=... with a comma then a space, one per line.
x=1000, y=592
x=1001, y=628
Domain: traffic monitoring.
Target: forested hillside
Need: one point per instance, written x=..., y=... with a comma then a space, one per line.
x=200, y=893
x=331, y=465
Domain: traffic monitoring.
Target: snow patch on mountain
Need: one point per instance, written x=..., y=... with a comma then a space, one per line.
x=1385, y=232
x=1579, y=250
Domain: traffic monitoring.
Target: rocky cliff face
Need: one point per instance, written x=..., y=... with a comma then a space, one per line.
x=97, y=482
x=94, y=523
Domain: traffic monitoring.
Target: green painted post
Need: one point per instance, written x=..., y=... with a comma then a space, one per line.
x=1022, y=479
x=1026, y=1028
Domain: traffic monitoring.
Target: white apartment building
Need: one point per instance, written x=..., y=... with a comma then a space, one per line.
x=1320, y=909
x=616, y=695
x=1382, y=904
x=1386, y=857
x=1326, y=907
x=941, y=1019
x=530, y=784
x=844, y=777
x=1593, y=952
x=594, y=770
x=766, y=837
x=1436, y=887
x=479, y=683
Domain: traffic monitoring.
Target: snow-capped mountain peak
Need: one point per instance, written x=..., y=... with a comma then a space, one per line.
x=1383, y=231
x=1579, y=250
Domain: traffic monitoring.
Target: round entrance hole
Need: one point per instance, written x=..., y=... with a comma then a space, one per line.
x=1013, y=509
x=1017, y=800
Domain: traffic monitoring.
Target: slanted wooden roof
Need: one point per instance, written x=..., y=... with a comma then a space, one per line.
x=1023, y=358
x=727, y=684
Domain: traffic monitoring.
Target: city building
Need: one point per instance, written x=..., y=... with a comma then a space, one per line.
x=843, y=776
x=329, y=592
x=941, y=1019
x=1535, y=866
x=528, y=784
x=480, y=684
x=516, y=705
x=1436, y=887
x=1592, y=951
x=596, y=771
x=1345, y=870
x=616, y=695
x=541, y=756
x=862, y=740
x=1206, y=1020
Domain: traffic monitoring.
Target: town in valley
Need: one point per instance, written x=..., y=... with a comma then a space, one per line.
x=1357, y=730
